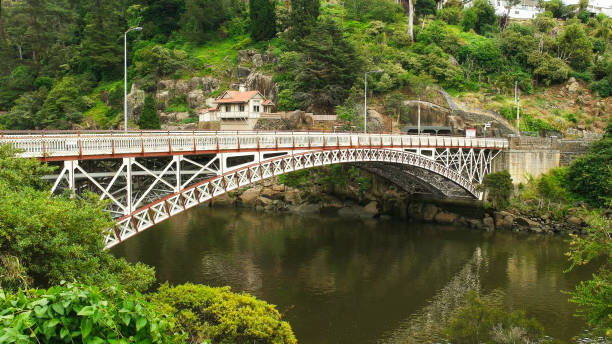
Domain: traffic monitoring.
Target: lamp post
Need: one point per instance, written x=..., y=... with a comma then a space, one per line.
x=365, y=102
x=125, y=105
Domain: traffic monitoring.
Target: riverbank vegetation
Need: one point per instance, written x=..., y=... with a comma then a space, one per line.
x=46, y=240
x=68, y=77
x=581, y=192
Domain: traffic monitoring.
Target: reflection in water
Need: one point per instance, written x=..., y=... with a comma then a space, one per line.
x=425, y=326
x=351, y=281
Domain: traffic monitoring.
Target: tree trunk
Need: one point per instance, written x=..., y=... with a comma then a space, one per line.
x=411, y=20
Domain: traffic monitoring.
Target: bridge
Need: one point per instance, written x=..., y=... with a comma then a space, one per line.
x=149, y=176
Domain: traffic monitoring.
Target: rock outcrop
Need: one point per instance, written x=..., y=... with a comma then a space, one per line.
x=194, y=90
x=263, y=84
x=135, y=102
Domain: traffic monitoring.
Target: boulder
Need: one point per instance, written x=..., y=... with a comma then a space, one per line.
x=264, y=201
x=209, y=84
x=292, y=196
x=181, y=116
x=243, y=72
x=278, y=187
x=503, y=220
x=195, y=98
x=371, y=208
x=575, y=221
x=257, y=60
x=429, y=212
x=249, y=197
x=263, y=84
x=488, y=224
x=135, y=100
x=165, y=85
x=525, y=222
x=181, y=87
x=375, y=121
x=445, y=217
x=162, y=98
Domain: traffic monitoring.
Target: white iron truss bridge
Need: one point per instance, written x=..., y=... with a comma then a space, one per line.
x=147, y=177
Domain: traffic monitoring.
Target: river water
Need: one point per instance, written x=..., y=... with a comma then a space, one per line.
x=341, y=281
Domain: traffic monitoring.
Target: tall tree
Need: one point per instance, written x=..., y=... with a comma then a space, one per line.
x=304, y=15
x=263, y=19
x=201, y=17
x=101, y=48
x=149, y=119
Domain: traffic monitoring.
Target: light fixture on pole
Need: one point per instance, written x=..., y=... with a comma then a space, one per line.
x=365, y=101
x=125, y=105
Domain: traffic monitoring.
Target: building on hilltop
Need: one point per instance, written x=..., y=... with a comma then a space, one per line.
x=529, y=9
x=237, y=110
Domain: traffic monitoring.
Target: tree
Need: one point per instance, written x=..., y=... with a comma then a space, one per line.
x=101, y=48
x=411, y=20
x=201, y=18
x=590, y=176
x=480, y=17
x=575, y=47
x=220, y=316
x=74, y=313
x=322, y=69
x=55, y=238
x=499, y=185
x=263, y=19
x=594, y=296
x=149, y=118
x=303, y=16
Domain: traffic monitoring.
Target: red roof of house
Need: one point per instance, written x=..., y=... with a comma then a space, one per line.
x=212, y=109
x=267, y=102
x=236, y=97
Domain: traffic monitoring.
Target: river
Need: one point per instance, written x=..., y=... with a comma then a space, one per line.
x=341, y=281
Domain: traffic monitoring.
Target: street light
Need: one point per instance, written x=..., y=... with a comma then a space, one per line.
x=125, y=105
x=365, y=102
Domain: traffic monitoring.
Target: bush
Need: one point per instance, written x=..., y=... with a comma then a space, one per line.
x=484, y=53
x=479, y=17
x=548, y=69
x=602, y=87
x=499, y=185
x=383, y=10
x=590, y=176
x=79, y=314
x=220, y=316
x=57, y=237
x=451, y=15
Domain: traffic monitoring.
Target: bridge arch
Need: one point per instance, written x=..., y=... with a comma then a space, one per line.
x=244, y=175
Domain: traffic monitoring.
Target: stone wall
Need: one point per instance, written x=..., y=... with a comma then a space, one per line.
x=534, y=156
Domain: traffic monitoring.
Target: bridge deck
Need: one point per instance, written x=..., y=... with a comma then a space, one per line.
x=96, y=145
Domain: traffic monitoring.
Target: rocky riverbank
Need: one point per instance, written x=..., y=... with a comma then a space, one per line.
x=385, y=201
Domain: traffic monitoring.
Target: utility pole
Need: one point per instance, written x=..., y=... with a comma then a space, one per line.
x=419, y=117
x=125, y=104
x=517, y=102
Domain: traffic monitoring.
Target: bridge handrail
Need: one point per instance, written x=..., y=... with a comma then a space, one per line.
x=67, y=144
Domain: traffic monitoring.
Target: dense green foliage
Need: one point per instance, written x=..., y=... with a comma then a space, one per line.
x=220, y=316
x=149, y=119
x=67, y=77
x=590, y=176
x=79, y=314
x=46, y=239
x=499, y=185
x=594, y=296
x=263, y=19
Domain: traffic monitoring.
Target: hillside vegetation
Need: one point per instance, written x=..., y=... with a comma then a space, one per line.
x=70, y=76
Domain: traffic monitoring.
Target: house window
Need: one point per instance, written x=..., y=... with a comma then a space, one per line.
x=227, y=108
x=241, y=108
x=256, y=108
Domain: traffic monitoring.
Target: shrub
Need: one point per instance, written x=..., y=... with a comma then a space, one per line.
x=79, y=314
x=383, y=10
x=217, y=314
x=451, y=15
x=499, y=185
x=602, y=87
x=548, y=69
x=149, y=118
